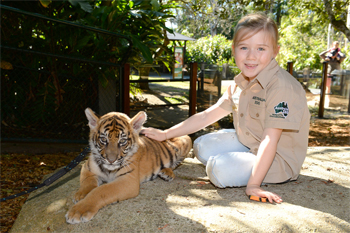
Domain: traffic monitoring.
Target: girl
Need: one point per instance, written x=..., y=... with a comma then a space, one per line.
x=270, y=114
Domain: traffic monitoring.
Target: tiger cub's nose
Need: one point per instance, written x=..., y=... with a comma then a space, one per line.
x=111, y=160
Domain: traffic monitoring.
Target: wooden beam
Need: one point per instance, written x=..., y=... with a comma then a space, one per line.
x=193, y=89
x=126, y=89
x=290, y=67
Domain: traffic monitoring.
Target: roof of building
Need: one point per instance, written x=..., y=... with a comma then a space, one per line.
x=177, y=36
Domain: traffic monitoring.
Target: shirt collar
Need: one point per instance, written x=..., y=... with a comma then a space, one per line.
x=263, y=77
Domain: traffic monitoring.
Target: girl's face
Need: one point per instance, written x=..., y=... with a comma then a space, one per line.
x=252, y=55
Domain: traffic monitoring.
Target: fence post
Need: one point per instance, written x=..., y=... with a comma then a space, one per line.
x=218, y=82
x=323, y=90
x=125, y=89
x=202, y=78
x=193, y=91
x=290, y=67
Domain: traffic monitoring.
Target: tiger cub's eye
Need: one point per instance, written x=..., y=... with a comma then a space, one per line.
x=103, y=140
x=123, y=141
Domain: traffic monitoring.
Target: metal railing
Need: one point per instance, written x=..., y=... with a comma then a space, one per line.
x=191, y=78
x=333, y=88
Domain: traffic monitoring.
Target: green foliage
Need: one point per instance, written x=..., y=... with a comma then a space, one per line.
x=302, y=39
x=303, y=34
x=346, y=63
x=314, y=110
x=142, y=21
x=212, y=50
x=303, y=27
x=206, y=17
x=338, y=6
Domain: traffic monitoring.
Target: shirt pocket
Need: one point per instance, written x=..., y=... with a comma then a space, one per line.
x=257, y=116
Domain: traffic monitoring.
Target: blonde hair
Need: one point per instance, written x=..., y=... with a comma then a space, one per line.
x=254, y=23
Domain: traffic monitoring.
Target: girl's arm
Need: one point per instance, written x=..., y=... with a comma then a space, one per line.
x=266, y=154
x=190, y=125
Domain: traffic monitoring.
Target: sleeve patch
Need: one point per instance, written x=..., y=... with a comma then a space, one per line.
x=281, y=110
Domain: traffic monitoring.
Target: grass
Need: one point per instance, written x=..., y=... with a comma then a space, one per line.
x=176, y=100
x=179, y=91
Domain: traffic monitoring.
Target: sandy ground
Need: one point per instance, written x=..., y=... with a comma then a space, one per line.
x=319, y=201
x=320, y=197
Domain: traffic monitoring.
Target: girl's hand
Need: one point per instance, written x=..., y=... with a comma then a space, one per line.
x=155, y=134
x=256, y=190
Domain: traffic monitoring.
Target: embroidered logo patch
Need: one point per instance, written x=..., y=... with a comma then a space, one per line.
x=281, y=110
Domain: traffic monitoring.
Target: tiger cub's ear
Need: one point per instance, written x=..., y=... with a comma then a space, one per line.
x=138, y=121
x=91, y=116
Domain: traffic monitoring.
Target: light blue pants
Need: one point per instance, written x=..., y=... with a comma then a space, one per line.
x=228, y=162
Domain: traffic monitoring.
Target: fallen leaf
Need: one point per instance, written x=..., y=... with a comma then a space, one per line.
x=19, y=172
x=160, y=228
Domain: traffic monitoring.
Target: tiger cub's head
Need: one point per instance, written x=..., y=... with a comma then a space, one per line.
x=114, y=137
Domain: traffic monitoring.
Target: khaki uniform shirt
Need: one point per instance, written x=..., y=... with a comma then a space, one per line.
x=274, y=99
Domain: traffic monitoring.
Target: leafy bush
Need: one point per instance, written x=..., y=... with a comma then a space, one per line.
x=301, y=41
x=346, y=63
x=212, y=50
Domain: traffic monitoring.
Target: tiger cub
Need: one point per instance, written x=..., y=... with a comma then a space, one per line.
x=122, y=159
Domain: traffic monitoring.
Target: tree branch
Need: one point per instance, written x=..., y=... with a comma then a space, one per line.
x=338, y=24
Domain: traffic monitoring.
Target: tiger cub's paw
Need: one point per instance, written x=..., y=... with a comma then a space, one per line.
x=79, y=195
x=166, y=174
x=81, y=212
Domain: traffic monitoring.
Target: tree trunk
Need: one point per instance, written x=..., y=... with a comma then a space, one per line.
x=278, y=14
x=144, y=73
